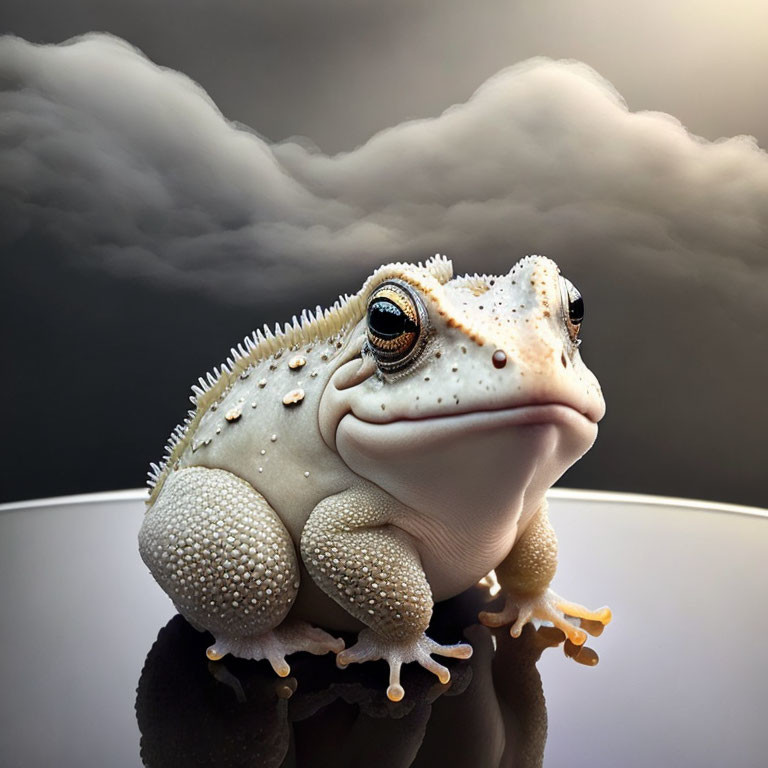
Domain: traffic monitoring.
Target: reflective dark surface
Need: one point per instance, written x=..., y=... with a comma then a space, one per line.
x=96, y=670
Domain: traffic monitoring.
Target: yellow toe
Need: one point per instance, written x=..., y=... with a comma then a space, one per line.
x=395, y=692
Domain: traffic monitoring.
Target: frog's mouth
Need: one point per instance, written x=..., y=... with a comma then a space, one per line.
x=424, y=431
x=521, y=415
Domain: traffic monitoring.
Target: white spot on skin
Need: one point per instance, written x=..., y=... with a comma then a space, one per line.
x=306, y=474
x=233, y=414
x=273, y=438
x=297, y=361
x=262, y=383
x=294, y=397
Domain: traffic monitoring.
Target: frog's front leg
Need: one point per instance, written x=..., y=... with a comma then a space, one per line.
x=525, y=575
x=355, y=552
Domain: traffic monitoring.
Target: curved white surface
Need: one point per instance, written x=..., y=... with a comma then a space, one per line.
x=682, y=666
x=555, y=494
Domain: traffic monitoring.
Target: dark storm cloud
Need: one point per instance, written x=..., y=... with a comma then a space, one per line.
x=130, y=168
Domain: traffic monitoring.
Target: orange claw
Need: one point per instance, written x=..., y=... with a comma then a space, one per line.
x=574, y=634
x=395, y=692
x=603, y=615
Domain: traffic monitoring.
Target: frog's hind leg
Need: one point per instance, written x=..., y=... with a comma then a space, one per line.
x=225, y=558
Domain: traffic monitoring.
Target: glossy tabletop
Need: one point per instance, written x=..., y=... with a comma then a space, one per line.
x=97, y=671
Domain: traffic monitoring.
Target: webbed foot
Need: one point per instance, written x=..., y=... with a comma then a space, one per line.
x=547, y=606
x=371, y=646
x=276, y=644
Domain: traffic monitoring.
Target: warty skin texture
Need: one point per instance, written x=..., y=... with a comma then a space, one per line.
x=401, y=477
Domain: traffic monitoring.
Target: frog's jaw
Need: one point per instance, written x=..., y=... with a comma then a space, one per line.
x=469, y=478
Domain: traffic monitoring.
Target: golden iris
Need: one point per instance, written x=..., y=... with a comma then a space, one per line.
x=393, y=324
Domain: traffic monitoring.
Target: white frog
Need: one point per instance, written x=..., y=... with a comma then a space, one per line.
x=366, y=461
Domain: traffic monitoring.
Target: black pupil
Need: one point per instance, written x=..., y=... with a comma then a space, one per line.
x=575, y=307
x=387, y=320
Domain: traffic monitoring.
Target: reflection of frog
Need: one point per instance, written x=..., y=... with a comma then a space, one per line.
x=404, y=440
x=192, y=712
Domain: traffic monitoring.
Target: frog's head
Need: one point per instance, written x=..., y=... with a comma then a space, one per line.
x=467, y=395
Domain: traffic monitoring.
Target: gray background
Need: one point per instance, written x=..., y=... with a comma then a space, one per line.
x=143, y=232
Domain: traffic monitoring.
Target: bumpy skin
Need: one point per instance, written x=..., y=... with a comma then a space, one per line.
x=231, y=534
x=402, y=442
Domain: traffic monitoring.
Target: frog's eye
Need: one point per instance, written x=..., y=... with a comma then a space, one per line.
x=397, y=325
x=573, y=307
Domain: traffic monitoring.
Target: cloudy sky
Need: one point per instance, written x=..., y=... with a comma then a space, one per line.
x=156, y=205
